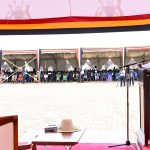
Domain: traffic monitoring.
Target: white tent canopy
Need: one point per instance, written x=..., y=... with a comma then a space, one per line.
x=88, y=65
x=132, y=61
x=69, y=66
x=109, y=65
x=5, y=67
x=93, y=40
x=50, y=68
x=28, y=67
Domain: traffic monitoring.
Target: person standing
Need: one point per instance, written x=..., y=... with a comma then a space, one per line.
x=122, y=77
x=24, y=74
x=131, y=72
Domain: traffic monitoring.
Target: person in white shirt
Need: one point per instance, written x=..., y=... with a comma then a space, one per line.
x=45, y=77
x=122, y=77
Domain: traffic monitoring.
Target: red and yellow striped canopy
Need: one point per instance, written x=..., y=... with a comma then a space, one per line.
x=21, y=15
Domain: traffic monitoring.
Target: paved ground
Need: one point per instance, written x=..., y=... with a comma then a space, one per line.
x=98, y=106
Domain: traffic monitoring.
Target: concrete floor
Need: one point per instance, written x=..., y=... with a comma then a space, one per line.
x=98, y=106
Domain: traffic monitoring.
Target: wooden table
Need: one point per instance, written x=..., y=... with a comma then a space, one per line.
x=24, y=146
x=59, y=139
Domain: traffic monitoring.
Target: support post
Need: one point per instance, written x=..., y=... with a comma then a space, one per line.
x=38, y=61
x=79, y=53
x=123, y=56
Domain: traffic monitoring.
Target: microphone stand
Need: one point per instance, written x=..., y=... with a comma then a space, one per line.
x=128, y=143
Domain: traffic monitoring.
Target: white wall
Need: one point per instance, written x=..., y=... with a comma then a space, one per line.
x=93, y=40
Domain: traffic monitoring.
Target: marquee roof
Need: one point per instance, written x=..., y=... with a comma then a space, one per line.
x=73, y=16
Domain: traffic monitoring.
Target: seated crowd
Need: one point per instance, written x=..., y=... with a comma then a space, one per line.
x=65, y=76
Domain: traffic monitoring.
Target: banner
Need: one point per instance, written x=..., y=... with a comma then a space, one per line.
x=22, y=9
x=20, y=15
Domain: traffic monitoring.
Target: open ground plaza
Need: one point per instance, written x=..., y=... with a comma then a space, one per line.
x=97, y=106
